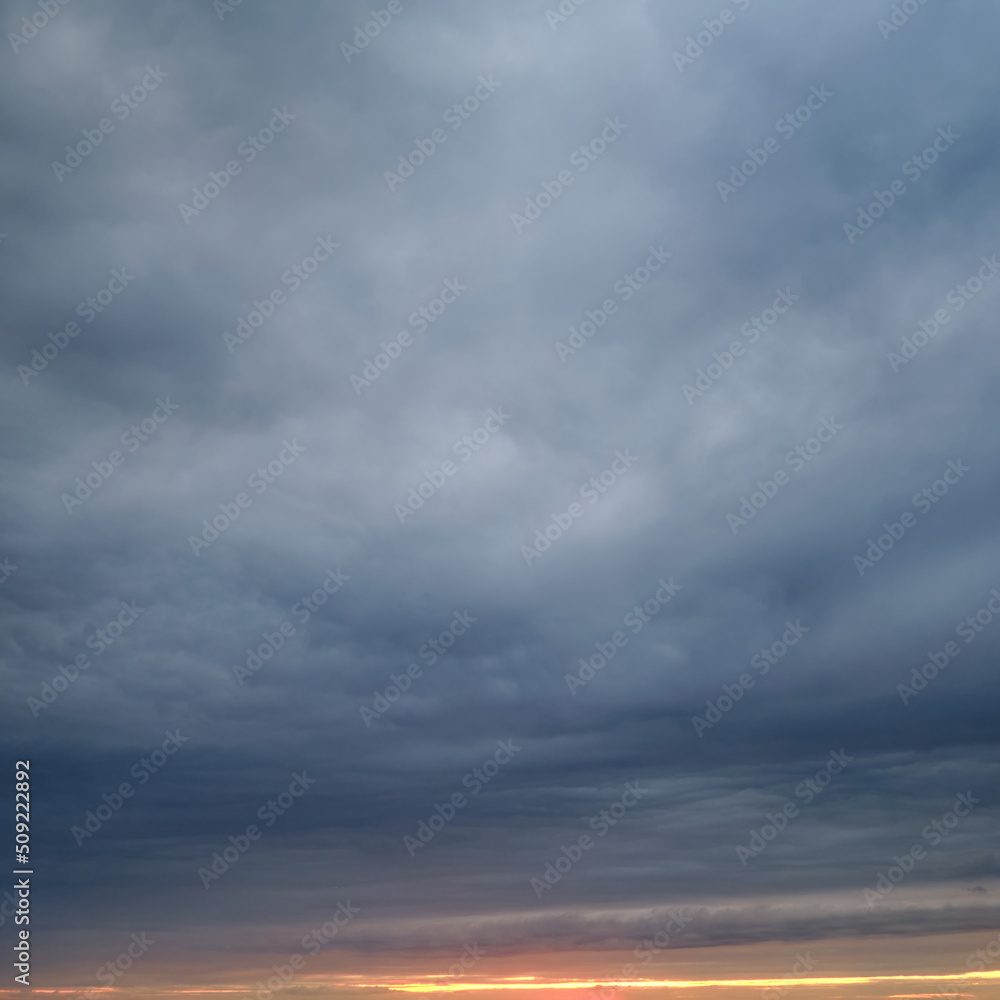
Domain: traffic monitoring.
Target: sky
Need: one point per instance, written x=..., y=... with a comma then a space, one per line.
x=501, y=497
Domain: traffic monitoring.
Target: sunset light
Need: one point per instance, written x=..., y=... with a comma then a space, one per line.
x=500, y=499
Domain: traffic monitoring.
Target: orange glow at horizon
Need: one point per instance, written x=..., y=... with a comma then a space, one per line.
x=585, y=984
x=532, y=983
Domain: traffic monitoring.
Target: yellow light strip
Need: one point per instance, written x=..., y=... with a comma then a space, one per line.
x=523, y=983
x=577, y=984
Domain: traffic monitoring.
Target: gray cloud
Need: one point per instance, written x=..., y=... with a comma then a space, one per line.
x=323, y=176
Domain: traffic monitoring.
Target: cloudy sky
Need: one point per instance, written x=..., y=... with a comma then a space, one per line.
x=498, y=491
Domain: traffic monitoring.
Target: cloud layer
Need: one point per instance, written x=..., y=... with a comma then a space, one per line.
x=415, y=319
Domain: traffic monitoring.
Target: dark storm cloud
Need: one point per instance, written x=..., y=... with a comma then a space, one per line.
x=360, y=449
